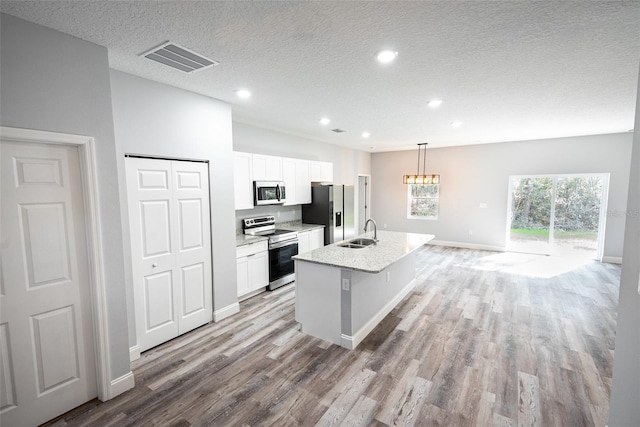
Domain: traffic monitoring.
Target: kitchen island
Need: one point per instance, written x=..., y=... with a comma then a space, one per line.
x=342, y=293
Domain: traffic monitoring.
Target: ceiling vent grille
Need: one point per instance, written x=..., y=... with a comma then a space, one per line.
x=178, y=57
x=338, y=130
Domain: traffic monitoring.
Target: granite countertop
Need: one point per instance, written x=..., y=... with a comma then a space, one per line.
x=391, y=247
x=298, y=226
x=244, y=239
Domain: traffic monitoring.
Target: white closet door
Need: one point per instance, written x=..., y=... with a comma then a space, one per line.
x=193, y=253
x=47, y=358
x=171, y=247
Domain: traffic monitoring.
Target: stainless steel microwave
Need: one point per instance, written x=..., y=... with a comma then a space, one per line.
x=269, y=193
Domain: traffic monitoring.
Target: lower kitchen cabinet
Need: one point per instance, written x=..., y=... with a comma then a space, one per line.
x=310, y=240
x=252, y=266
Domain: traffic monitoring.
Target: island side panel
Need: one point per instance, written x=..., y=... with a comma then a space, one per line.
x=318, y=300
x=373, y=297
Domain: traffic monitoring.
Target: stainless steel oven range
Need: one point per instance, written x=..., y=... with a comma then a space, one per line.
x=283, y=244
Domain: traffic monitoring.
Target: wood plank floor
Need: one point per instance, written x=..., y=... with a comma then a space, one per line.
x=485, y=339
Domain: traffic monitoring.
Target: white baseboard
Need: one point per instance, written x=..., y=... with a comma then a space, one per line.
x=122, y=384
x=352, y=342
x=225, y=312
x=467, y=245
x=134, y=353
x=612, y=259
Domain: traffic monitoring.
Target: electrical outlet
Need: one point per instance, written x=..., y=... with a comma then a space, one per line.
x=483, y=206
x=388, y=276
x=278, y=214
x=345, y=284
x=470, y=232
x=384, y=225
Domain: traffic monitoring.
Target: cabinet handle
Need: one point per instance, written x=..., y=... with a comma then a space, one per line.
x=155, y=264
x=250, y=255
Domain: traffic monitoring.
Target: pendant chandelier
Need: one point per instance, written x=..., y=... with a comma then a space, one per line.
x=424, y=178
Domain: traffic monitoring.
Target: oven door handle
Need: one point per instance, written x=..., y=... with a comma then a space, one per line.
x=283, y=244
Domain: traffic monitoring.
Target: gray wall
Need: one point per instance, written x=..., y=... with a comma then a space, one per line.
x=625, y=392
x=476, y=174
x=55, y=82
x=347, y=163
x=154, y=119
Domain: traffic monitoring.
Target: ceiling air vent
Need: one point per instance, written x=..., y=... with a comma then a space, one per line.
x=178, y=57
x=338, y=130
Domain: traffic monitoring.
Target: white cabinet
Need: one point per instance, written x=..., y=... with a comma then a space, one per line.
x=267, y=168
x=297, y=181
x=321, y=171
x=303, y=182
x=252, y=266
x=243, y=180
x=296, y=174
x=310, y=240
x=303, y=241
x=316, y=238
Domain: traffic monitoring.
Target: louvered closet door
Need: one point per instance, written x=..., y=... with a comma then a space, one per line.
x=47, y=358
x=171, y=247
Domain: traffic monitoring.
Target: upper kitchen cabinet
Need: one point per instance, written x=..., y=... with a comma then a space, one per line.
x=243, y=180
x=321, y=171
x=267, y=168
x=296, y=174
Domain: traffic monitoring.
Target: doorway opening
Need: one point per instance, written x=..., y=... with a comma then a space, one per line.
x=558, y=214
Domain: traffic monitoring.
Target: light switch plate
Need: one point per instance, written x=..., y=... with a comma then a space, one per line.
x=345, y=284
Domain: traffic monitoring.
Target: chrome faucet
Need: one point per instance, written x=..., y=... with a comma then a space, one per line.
x=375, y=229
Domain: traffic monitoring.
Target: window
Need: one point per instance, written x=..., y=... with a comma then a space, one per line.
x=423, y=201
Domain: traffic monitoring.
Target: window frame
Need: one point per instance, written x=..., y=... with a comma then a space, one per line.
x=410, y=198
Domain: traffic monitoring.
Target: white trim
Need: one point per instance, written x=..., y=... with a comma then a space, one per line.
x=467, y=245
x=134, y=353
x=225, y=312
x=613, y=260
x=85, y=146
x=122, y=384
x=351, y=342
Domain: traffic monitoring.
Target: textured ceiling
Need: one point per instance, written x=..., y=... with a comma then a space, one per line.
x=508, y=70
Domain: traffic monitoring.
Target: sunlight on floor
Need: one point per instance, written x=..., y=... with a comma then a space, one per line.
x=530, y=265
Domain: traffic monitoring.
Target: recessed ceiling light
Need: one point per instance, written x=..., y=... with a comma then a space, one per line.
x=324, y=121
x=243, y=93
x=435, y=103
x=366, y=134
x=456, y=124
x=386, y=56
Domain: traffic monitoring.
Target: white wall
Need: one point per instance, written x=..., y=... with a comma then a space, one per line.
x=154, y=119
x=55, y=82
x=625, y=391
x=347, y=163
x=476, y=174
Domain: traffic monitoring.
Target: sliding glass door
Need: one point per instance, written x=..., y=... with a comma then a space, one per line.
x=557, y=214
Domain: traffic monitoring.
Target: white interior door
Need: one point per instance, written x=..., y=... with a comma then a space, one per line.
x=171, y=247
x=193, y=254
x=47, y=360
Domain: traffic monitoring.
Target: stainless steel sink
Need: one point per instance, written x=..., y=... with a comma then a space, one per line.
x=358, y=243
x=362, y=242
x=352, y=246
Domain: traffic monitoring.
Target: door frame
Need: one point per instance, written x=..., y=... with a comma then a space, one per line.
x=604, y=201
x=367, y=198
x=86, y=151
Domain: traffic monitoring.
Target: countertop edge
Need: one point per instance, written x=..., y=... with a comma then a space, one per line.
x=427, y=239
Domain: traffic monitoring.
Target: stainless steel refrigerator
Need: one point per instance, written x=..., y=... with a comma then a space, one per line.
x=332, y=206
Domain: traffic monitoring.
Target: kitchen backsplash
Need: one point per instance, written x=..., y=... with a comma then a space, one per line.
x=281, y=213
